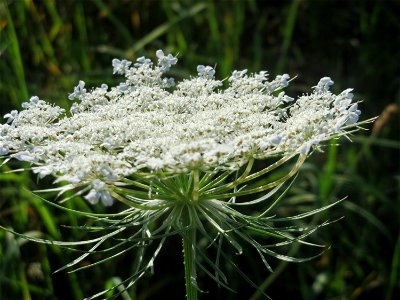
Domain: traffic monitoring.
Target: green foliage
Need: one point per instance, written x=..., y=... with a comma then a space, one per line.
x=45, y=46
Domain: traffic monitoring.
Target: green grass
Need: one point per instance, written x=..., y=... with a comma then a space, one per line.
x=47, y=46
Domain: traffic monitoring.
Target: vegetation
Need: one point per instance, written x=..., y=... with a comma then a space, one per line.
x=47, y=46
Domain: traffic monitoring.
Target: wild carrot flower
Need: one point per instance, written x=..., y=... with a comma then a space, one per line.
x=180, y=157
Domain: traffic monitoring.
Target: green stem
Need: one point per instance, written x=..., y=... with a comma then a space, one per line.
x=195, y=185
x=189, y=241
x=237, y=181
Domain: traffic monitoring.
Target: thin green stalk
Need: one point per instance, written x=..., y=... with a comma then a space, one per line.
x=188, y=255
x=237, y=181
x=269, y=168
x=211, y=194
x=196, y=185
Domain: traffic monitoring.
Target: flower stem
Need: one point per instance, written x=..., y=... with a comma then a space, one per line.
x=189, y=241
x=196, y=185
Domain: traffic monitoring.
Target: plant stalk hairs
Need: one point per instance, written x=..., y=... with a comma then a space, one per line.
x=185, y=159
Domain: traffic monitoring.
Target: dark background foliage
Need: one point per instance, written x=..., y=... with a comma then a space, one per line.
x=47, y=46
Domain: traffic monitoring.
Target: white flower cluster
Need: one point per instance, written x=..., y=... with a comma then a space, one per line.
x=149, y=124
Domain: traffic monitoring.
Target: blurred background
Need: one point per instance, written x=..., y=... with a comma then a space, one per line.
x=47, y=46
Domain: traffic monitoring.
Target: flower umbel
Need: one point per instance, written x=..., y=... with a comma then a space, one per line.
x=181, y=156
